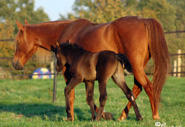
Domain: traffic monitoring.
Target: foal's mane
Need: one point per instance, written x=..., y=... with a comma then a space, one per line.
x=73, y=46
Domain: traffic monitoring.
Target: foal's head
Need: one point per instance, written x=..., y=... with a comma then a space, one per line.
x=61, y=59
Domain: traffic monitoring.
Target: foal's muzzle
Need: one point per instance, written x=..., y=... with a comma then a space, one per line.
x=59, y=69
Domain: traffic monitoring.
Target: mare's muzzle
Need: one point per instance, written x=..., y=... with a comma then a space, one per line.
x=17, y=65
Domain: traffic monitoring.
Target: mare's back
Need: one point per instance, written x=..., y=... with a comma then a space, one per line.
x=92, y=37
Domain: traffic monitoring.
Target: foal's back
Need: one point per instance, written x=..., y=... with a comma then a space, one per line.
x=85, y=66
x=106, y=65
x=93, y=66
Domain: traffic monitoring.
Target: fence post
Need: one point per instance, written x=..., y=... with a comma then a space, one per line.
x=52, y=69
x=175, y=68
x=179, y=64
x=54, y=81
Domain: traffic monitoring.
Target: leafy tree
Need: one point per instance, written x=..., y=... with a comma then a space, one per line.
x=180, y=15
x=21, y=10
x=163, y=12
x=100, y=11
x=6, y=32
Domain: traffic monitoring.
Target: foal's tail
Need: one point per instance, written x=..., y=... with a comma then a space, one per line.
x=124, y=60
x=159, y=52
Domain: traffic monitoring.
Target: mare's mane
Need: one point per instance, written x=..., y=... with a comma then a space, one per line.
x=42, y=54
x=48, y=23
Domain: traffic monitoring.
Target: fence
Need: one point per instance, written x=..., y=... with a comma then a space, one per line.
x=177, y=67
x=8, y=72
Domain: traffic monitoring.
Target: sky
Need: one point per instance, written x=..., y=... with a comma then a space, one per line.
x=55, y=7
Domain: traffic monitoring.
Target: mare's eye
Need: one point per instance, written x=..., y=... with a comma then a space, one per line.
x=18, y=42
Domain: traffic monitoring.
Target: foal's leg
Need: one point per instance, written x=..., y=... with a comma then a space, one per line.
x=131, y=98
x=102, y=99
x=118, y=78
x=105, y=115
x=73, y=82
x=136, y=91
x=90, y=101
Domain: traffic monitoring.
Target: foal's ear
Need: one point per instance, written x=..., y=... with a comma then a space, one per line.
x=57, y=45
x=26, y=22
x=20, y=26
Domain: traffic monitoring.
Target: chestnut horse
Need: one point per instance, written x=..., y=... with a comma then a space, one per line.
x=88, y=67
x=138, y=38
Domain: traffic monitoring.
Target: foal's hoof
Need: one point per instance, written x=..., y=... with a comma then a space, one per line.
x=140, y=118
x=107, y=116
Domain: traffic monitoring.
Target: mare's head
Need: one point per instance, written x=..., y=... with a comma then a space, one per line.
x=25, y=47
x=61, y=60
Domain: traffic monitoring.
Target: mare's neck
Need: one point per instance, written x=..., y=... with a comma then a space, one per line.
x=46, y=34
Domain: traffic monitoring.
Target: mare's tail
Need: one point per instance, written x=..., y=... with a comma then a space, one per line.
x=124, y=61
x=160, y=55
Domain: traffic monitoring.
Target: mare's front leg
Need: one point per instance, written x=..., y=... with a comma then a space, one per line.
x=73, y=82
x=102, y=99
x=89, y=97
x=67, y=77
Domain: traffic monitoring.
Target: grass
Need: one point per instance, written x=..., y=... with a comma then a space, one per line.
x=28, y=103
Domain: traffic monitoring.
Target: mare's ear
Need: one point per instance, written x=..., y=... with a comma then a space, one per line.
x=26, y=22
x=20, y=26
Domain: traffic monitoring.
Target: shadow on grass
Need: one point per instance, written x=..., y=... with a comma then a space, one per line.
x=47, y=112
x=44, y=111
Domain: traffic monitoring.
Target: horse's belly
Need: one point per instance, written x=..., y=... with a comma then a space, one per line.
x=90, y=76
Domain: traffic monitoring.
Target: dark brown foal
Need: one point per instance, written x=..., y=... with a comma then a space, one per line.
x=88, y=67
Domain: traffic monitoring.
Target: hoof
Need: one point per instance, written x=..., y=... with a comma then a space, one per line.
x=70, y=119
x=93, y=119
x=157, y=117
x=122, y=117
x=140, y=118
x=107, y=116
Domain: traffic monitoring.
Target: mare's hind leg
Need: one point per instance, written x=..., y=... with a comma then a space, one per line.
x=90, y=101
x=147, y=85
x=102, y=99
x=141, y=80
x=118, y=78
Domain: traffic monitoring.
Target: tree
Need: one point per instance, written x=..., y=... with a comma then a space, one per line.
x=20, y=10
x=180, y=15
x=6, y=32
x=162, y=11
x=100, y=11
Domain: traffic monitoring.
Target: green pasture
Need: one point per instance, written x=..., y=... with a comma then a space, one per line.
x=28, y=103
